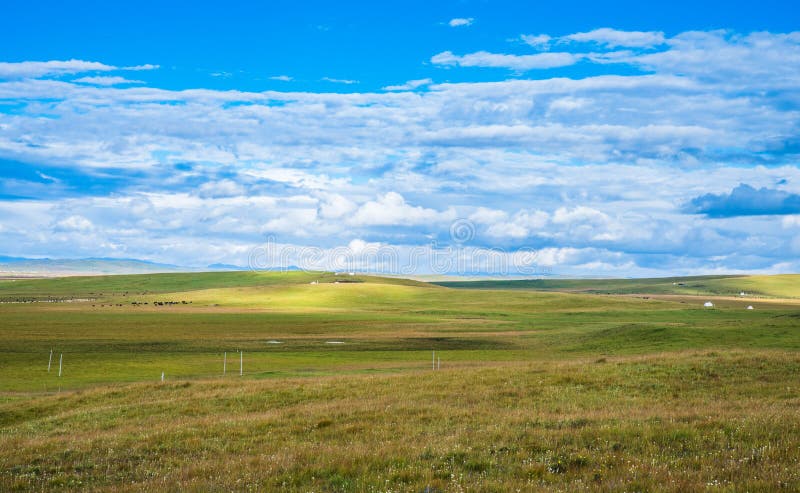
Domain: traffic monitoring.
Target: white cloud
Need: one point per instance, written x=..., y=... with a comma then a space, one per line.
x=579, y=215
x=221, y=188
x=33, y=69
x=47, y=177
x=791, y=221
x=568, y=104
x=507, y=230
x=107, y=80
x=75, y=223
x=614, y=38
x=19, y=70
x=340, y=81
x=484, y=215
x=543, y=162
x=522, y=225
x=282, y=78
x=335, y=206
x=392, y=209
x=539, y=41
x=461, y=21
x=410, y=85
x=146, y=66
x=499, y=60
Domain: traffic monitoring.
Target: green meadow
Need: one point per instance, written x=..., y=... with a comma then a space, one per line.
x=553, y=385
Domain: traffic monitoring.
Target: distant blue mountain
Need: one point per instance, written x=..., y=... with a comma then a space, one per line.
x=108, y=265
x=226, y=267
x=85, y=266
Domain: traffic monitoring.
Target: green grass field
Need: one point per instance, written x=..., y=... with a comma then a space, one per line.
x=544, y=385
x=778, y=286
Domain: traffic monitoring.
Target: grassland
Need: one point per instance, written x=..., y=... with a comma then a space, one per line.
x=778, y=286
x=538, y=389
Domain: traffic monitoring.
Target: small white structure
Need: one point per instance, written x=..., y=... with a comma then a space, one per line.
x=742, y=293
x=749, y=307
x=314, y=282
x=352, y=274
x=708, y=304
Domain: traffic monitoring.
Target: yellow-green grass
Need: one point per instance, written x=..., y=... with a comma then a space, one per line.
x=776, y=286
x=537, y=391
x=131, y=286
x=679, y=422
x=382, y=325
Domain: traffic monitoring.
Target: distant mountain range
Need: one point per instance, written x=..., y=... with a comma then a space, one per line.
x=47, y=266
x=97, y=266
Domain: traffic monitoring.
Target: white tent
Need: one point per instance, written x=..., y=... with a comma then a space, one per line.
x=749, y=307
x=708, y=304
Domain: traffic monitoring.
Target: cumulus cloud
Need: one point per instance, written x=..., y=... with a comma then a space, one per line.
x=107, y=80
x=75, y=223
x=522, y=224
x=500, y=60
x=568, y=104
x=19, y=70
x=34, y=69
x=539, y=41
x=392, y=209
x=614, y=38
x=545, y=163
x=410, y=85
x=461, y=21
x=579, y=215
x=335, y=206
x=221, y=188
x=746, y=200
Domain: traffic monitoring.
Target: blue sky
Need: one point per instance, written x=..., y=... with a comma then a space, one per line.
x=586, y=138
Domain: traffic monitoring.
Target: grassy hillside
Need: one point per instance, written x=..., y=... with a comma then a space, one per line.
x=538, y=390
x=108, y=287
x=288, y=327
x=779, y=286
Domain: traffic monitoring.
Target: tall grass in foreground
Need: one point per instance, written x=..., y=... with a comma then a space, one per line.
x=686, y=421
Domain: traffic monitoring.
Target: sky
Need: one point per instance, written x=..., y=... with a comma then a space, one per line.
x=459, y=137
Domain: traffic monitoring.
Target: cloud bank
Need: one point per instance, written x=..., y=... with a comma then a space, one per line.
x=678, y=157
